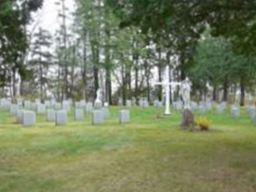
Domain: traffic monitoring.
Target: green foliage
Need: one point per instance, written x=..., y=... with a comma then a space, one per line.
x=216, y=62
x=14, y=15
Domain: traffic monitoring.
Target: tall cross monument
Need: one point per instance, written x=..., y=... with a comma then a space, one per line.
x=167, y=84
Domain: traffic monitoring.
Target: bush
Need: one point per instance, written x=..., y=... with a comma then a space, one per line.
x=203, y=124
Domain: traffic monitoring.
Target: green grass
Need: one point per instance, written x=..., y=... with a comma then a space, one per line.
x=149, y=154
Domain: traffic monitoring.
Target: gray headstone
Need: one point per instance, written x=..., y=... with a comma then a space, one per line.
x=13, y=109
x=37, y=101
x=98, y=117
x=89, y=107
x=66, y=105
x=128, y=103
x=32, y=106
x=28, y=118
x=19, y=116
x=220, y=109
x=57, y=106
x=202, y=109
x=48, y=104
x=6, y=104
x=144, y=103
x=194, y=106
x=158, y=104
x=97, y=105
x=27, y=104
x=120, y=102
x=79, y=114
x=61, y=117
x=40, y=108
x=106, y=113
x=77, y=105
x=133, y=101
x=50, y=116
x=251, y=111
x=235, y=111
x=208, y=105
x=124, y=116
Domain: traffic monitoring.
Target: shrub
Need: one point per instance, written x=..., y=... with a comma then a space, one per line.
x=203, y=123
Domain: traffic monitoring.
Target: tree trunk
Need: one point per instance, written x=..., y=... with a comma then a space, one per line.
x=214, y=94
x=225, y=91
x=14, y=91
x=159, y=91
x=136, y=93
x=84, y=71
x=96, y=80
x=108, y=87
x=242, y=90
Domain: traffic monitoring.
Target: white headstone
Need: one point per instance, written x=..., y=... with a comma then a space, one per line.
x=13, y=109
x=40, y=108
x=235, y=111
x=128, y=103
x=50, y=115
x=79, y=114
x=98, y=117
x=28, y=118
x=61, y=117
x=124, y=116
x=89, y=107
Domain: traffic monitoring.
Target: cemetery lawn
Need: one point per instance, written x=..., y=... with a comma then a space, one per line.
x=149, y=154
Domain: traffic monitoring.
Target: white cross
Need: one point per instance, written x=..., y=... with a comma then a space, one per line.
x=166, y=84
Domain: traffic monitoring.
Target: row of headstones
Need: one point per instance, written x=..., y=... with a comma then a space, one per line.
x=60, y=117
x=143, y=103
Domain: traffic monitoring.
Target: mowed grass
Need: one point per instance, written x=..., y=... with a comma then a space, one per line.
x=149, y=154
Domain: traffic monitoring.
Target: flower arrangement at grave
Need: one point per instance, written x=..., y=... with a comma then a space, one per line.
x=203, y=123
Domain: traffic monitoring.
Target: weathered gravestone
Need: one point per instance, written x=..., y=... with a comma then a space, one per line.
x=28, y=118
x=188, y=121
x=98, y=117
x=79, y=114
x=235, y=111
x=61, y=117
x=124, y=116
x=50, y=116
